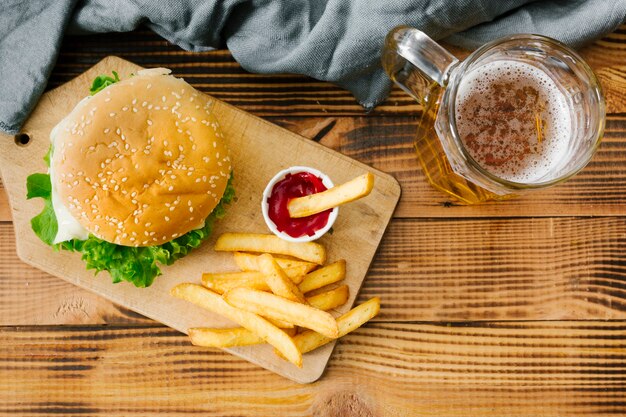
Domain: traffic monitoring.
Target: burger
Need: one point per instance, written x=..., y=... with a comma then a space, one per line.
x=137, y=174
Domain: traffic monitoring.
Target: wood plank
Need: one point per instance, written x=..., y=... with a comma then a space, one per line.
x=425, y=270
x=387, y=144
x=490, y=369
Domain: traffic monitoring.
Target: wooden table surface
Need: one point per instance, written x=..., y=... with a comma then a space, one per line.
x=509, y=309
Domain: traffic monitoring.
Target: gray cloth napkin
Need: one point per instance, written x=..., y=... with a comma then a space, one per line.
x=332, y=40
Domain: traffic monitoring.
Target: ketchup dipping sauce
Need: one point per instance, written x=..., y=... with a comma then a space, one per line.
x=292, y=183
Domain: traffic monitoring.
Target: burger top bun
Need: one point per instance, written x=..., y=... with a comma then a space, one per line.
x=141, y=162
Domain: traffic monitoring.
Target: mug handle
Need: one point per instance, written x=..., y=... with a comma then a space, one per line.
x=415, y=62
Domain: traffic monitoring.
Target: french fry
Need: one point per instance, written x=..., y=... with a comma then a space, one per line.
x=211, y=301
x=324, y=276
x=316, y=203
x=225, y=338
x=250, y=242
x=273, y=306
x=223, y=281
x=248, y=262
x=222, y=338
x=330, y=299
x=352, y=320
x=278, y=281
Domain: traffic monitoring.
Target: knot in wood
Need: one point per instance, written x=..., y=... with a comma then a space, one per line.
x=341, y=404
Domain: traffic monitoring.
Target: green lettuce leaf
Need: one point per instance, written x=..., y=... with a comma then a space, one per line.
x=103, y=81
x=138, y=266
x=38, y=185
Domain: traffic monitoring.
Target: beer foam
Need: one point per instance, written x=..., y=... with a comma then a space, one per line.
x=514, y=121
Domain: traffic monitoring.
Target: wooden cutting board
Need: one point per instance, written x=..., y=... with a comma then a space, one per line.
x=259, y=149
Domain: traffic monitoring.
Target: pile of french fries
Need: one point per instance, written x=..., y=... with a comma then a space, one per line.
x=271, y=297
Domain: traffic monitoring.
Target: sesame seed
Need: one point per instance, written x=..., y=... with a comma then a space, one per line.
x=107, y=130
x=148, y=224
x=107, y=99
x=136, y=220
x=190, y=209
x=149, y=86
x=170, y=188
x=163, y=99
x=167, y=219
x=165, y=143
x=112, y=114
x=149, y=122
x=125, y=108
x=134, y=101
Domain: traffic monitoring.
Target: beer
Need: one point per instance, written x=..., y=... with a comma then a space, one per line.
x=514, y=121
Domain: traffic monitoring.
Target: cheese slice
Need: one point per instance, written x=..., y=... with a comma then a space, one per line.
x=69, y=228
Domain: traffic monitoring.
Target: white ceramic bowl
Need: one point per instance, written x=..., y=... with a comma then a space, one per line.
x=268, y=191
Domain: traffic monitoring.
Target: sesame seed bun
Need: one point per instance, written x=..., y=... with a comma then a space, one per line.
x=141, y=162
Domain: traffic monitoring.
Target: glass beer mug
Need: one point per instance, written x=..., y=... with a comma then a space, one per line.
x=521, y=113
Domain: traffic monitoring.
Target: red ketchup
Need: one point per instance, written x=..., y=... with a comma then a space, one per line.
x=292, y=186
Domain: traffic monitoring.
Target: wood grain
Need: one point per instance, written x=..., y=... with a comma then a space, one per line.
x=490, y=369
x=444, y=269
x=425, y=270
x=613, y=81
